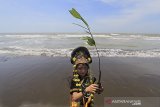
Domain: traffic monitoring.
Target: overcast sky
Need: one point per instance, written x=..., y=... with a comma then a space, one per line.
x=103, y=16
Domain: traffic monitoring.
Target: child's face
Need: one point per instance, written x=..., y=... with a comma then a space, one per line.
x=82, y=69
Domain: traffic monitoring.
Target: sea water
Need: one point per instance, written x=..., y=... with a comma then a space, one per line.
x=61, y=44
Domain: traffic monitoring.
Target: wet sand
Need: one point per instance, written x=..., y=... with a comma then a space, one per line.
x=40, y=81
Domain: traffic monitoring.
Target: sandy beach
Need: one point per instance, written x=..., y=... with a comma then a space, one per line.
x=41, y=81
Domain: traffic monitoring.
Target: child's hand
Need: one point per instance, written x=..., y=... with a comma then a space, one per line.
x=92, y=88
x=100, y=90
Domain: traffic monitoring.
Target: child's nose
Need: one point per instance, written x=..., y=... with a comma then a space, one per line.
x=83, y=70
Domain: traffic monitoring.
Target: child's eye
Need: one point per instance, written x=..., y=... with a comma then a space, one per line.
x=82, y=68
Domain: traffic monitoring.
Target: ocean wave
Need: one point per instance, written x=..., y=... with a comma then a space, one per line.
x=27, y=36
x=66, y=52
x=152, y=38
x=61, y=36
x=121, y=38
x=114, y=34
x=24, y=36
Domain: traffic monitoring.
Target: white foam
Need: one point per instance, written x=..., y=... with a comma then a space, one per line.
x=83, y=35
x=41, y=43
x=60, y=36
x=135, y=36
x=73, y=36
x=114, y=34
x=120, y=38
x=152, y=38
x=25, y=36
x=67, y=52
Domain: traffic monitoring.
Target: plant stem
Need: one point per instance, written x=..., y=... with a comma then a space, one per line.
x=99, y=79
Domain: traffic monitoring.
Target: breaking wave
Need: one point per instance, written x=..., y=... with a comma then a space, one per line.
x=61, y=36
x=66, y=52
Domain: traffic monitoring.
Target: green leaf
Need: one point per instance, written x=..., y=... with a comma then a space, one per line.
x=85, y=38
x=89, y=40
x=78, y=16
x=85, y=22
x=75, y=13
x=80, y=26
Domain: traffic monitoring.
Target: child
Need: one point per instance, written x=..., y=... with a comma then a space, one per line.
x=82, y=86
